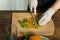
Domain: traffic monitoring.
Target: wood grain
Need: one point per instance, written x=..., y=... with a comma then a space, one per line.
x=7, y=20
x=46, y=30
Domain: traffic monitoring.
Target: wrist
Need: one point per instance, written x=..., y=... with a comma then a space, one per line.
x=56, y=5
x=49, y=12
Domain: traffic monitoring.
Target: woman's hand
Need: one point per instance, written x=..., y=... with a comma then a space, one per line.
x=49, y=13
x=46, y=17
x=33, y=4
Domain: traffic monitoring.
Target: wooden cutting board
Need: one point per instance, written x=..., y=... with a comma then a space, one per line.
x=46, y=30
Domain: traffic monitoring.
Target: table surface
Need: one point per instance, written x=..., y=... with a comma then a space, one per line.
x=5, y=20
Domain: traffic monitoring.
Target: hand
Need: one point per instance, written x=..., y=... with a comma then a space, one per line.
x=49, y=13
x=46, y=17
x=33, y=4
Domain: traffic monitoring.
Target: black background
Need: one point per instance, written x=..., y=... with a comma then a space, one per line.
x=43, y=5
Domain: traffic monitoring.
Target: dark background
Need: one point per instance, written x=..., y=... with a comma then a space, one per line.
x=43, y=5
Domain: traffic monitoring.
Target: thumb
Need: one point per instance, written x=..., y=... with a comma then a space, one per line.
x=44, y=20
